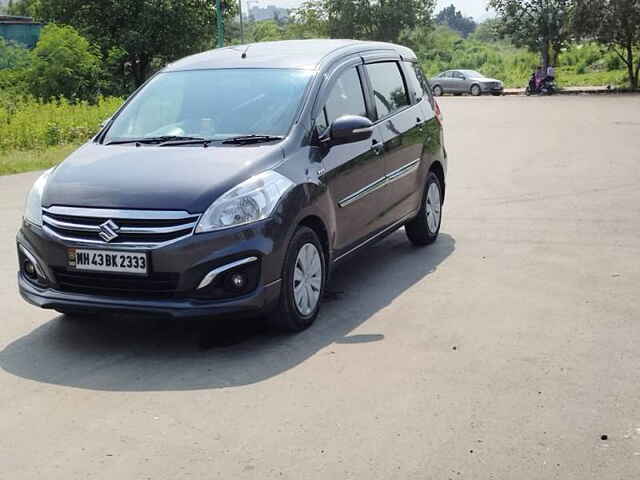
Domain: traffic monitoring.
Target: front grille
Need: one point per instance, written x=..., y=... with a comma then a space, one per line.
x=155, y=286
x=149, y=228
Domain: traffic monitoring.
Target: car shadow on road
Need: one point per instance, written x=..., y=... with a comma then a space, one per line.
x=132, y=354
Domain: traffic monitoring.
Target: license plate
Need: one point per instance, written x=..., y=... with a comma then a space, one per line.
x=108, y=261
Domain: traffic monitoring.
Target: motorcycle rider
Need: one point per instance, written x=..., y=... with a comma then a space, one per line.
x=551, y=73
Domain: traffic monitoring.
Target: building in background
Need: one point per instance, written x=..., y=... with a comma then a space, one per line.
x=21, y=30
x=270, y=12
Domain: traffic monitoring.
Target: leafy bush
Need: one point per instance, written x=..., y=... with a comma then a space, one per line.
x=12, y=55
x=64, y=64
x=28, y=124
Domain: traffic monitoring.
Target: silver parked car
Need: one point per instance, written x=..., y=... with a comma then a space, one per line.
x=465, y=81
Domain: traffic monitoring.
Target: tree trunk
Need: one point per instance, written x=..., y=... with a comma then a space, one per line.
x=633, y=73
x=545, y=54
x=140, y=68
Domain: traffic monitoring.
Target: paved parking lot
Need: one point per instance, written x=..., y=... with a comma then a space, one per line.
x=504, y=351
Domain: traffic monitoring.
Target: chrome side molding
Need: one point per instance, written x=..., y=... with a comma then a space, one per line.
x=381, y=182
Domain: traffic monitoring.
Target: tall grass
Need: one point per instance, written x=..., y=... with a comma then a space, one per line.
x=28, y=124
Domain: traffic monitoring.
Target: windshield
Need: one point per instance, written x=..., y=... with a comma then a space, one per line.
x=213, y=104
x=472, y=74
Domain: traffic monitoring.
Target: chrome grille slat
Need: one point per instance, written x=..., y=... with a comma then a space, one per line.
x=137, y=228
x=96, y=228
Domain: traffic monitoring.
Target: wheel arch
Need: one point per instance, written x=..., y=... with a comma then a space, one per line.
x=316, y=224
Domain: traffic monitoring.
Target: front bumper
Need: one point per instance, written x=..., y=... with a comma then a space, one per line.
x=487, y=88
x=68, y=302
x=188, y=261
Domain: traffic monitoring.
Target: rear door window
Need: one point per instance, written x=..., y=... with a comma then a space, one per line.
x=419, y=82
x=389, y=90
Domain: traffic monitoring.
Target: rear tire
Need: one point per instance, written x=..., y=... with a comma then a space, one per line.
x=425, y=228
x=437, y=91
x=303, y=282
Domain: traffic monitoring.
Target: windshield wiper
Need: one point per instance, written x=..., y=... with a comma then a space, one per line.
x=243, y=139
x=161, y=140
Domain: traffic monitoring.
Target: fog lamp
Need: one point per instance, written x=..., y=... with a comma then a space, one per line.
x=30, y=269
x=238, y=280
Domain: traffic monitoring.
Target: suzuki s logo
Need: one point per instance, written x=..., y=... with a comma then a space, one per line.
x=109, y=231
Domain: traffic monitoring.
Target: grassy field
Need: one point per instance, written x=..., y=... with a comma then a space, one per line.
x=36, y=135
x=25, y=161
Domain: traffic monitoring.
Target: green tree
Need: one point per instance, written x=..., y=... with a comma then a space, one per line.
x=382, y=20
x=310, y=20
x=454, y=19
x=12, y=55
x=615, y=24
x=487, y=31
x=266, y=31
x=24, y=8
x=541, y=25
x=64, y=64
x=149, y=32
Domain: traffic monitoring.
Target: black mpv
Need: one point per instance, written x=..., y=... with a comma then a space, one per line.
x=234, y=180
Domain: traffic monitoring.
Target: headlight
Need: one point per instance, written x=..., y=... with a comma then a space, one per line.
x=252, y=200
x=33, y=207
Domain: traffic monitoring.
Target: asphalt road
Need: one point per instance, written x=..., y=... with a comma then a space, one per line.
x=504, y=351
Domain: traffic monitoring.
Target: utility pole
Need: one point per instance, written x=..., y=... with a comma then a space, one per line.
x=241, y=21
x=220, y=22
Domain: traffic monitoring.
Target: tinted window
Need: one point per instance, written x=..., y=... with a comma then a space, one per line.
x=418, y=82
x=388, y=87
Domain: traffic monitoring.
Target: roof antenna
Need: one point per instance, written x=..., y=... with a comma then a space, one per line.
x=244, y=54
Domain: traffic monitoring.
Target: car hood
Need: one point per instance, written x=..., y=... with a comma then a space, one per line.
x=156, y=178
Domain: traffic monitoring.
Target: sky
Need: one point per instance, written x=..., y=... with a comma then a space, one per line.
x=470, y=8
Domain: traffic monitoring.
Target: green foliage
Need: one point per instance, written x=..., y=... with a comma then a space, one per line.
x=454, y=19
x=540, y=25
x=616, y=25
x=148, y=32
x=12, y=55
x=311, y=20
x=25, y=8
x=363, y=19
x=29, y=124
x=443, y=49
x=487, y=31
x=63, y=64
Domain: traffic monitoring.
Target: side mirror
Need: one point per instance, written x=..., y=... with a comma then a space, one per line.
x=350, y=129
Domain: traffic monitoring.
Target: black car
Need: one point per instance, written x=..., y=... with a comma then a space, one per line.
x=234, y=181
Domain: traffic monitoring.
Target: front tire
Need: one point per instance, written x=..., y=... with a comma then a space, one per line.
x=437, y=91
x=425, y=228
x=303, y=281
x=476, y=91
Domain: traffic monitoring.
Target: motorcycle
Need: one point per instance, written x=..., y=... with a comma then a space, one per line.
x=546, y=87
